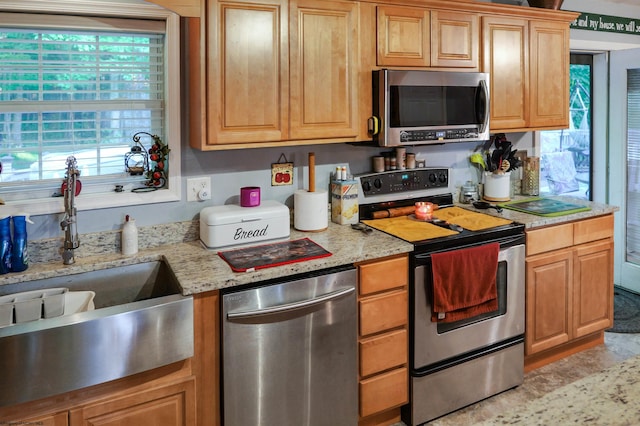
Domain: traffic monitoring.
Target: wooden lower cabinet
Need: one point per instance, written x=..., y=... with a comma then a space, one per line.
x=569, y=299
x=172, y=404
x=383, y=340
x=57, y=419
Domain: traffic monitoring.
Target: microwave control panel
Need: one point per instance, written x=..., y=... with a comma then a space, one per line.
x=407, y=136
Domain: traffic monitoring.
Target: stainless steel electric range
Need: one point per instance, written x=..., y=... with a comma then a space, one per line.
x=454, y=364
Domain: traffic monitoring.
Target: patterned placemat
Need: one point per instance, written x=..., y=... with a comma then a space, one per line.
x=472, y=221
x=275, y=254
x=408, y=229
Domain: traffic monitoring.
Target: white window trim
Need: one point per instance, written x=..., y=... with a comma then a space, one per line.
x=118, y=8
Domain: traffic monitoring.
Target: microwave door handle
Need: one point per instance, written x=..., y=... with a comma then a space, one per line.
x=483, y=98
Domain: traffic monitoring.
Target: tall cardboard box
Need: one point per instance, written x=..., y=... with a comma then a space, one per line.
x=344, y=201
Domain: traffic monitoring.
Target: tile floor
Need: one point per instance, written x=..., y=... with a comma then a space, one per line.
x=617, y=348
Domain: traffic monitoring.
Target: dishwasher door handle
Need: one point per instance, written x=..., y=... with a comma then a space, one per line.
x=290, y=307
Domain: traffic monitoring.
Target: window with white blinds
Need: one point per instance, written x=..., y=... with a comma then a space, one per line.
x=77, y=85
x=633, y=166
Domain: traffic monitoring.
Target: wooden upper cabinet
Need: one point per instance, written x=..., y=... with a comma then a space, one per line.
x=418, y=37
x=506, y=59
x=190, y=8
x=247, y=72
x=455, y=39
x=324, y=69
x=403, y=36
x=549, y=64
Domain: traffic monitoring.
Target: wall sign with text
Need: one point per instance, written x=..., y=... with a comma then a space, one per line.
x=606, y=23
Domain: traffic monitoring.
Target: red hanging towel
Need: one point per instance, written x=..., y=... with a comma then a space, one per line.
x=464, y=282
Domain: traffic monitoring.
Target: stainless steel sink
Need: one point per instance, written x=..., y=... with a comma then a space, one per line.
x=141, y=322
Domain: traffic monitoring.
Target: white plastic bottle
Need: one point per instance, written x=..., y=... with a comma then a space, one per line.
x=129, y=237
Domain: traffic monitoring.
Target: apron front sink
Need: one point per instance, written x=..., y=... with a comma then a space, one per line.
x=141, y=321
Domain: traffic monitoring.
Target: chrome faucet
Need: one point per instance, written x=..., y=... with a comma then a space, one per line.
x=69, y=221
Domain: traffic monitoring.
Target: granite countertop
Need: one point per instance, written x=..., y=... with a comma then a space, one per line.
x=611, y=397
x=533, y=221
x=200, y=270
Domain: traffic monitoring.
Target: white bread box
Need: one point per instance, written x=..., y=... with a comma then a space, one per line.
x=231, y=224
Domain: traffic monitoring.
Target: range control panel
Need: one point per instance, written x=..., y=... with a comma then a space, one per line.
x=390, y=185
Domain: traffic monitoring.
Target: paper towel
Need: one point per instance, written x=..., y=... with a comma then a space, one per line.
x=310, y=210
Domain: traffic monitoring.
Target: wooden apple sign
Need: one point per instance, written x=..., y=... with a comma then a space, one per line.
x=281, y=174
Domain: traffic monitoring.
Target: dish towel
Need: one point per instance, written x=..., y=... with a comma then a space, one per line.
x=464, y=283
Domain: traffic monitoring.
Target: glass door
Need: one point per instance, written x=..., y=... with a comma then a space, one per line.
x=566, y=154
x=624, y=171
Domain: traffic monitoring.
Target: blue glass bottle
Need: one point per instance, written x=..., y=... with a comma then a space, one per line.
x=5, y=245
x=19, y=253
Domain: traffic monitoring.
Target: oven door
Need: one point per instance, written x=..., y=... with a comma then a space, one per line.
x=435, y=342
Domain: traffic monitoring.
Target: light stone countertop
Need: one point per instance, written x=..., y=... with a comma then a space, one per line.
x=200, y=270
x=533, y=221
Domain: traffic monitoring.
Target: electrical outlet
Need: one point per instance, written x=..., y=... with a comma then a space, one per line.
x=199, y=189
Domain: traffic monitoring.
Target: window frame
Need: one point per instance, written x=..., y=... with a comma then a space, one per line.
x=172, y=134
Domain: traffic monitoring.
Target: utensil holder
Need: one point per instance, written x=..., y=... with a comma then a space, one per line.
x=497, y=187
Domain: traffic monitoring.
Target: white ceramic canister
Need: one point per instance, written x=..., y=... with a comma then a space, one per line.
x=497, y=186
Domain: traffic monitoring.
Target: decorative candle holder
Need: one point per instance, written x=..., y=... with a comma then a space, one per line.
x=424, y=210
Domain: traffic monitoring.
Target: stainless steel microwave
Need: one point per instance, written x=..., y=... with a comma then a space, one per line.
x=412, y=107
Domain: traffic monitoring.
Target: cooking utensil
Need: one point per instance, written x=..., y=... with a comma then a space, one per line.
x=361, y=227
x=483, y=205
x=445, y=224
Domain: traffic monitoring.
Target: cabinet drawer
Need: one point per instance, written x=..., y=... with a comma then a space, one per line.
x=383, y=352
x=551, y=238
x=384, y=312
x=594, y=229
x=384, y=275
x=384, y=391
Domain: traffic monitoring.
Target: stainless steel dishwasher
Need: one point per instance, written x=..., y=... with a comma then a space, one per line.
x=289, y=352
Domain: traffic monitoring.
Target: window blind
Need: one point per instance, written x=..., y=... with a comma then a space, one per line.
x=633, y=166
x=83, y=89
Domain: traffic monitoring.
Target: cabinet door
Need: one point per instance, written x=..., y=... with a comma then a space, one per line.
x=169, y=405
x=506, y=42
x=247, y=71
x=455, y=39
x=548, y=311
x=324, y=71
x=58, y=419
x=593, y=288
x=404, y=36
x=549, y=64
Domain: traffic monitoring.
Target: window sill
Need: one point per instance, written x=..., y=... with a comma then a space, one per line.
x=94, y=201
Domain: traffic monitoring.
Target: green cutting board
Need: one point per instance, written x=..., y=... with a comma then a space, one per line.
x=544, y=207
